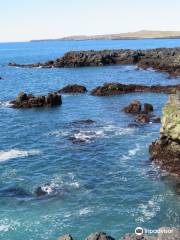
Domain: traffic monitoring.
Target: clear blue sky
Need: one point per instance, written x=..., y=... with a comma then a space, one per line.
x=22, y=20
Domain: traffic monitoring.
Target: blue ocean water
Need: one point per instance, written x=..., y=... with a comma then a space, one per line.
x=106, y=183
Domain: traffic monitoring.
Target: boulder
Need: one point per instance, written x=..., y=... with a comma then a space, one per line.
x=29, y=101
x=143, y=118
x=66, y=237
x=133, y=108
x=99, y=236
x=21, y=97
x=148, y=108
x=73, y=89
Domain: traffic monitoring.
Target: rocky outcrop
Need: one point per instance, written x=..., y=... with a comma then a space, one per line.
x=166, y=150
x=163, y=233
x=162, y=59
x=143, y=114
x=73, y=89
x=99, y=236
x=133, y=108
x=109, y=89
x=24, y=100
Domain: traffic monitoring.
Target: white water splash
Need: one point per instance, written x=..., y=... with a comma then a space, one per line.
x=151, y=209
x=85, y=211
x=5, y=104
x=16, y=153
x=132, y=152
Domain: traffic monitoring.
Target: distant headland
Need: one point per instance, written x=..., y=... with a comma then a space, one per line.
x=143, y=34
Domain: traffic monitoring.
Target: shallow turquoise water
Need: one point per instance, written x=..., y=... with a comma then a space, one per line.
x=106, y=183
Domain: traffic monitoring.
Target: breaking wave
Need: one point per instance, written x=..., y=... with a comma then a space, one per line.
x=16, y=153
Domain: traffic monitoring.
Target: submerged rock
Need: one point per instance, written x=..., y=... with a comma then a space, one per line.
x=99, y=236
x=133, y=125
x=73, y=89
x=29, y=101
x=88, y=121
x=109, y=89
x=166, y=150
x=16, y=192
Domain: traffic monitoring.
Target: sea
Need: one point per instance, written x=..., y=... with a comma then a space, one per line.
x=104, y=181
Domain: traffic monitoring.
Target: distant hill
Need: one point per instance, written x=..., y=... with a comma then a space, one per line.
x=129, y=35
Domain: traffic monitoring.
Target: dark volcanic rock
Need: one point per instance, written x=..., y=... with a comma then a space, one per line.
x=73, y=89
x=162, y=59
x=88, y=121
x=28, y=101
x=143, y=118
x=148, y=108
x=166, y=154
x=142, y=115
x=109, y=89
x=156, y=120
x=99, y=236
x=166, y=150
x=39, y=192
x=133, y=125
x=133, y=108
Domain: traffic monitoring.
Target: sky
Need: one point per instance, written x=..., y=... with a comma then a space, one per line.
x=24, y=20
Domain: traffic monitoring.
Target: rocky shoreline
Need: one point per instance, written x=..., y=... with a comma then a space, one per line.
x=162, y=59
x=164, y=233
x=117, y=88
x=165, y=151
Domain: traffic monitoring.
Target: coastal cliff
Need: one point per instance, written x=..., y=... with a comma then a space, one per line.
x=166, y=150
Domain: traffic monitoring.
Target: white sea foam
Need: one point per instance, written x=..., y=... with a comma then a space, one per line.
x=107, y=131
x=16, y=153
x=151, y=209
x=5, y=104
x=84, y=211
x=87, y=136
x=4, y=228
x=133, y=151
x=75, y=184
x=8, y=225
x=60, y=184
